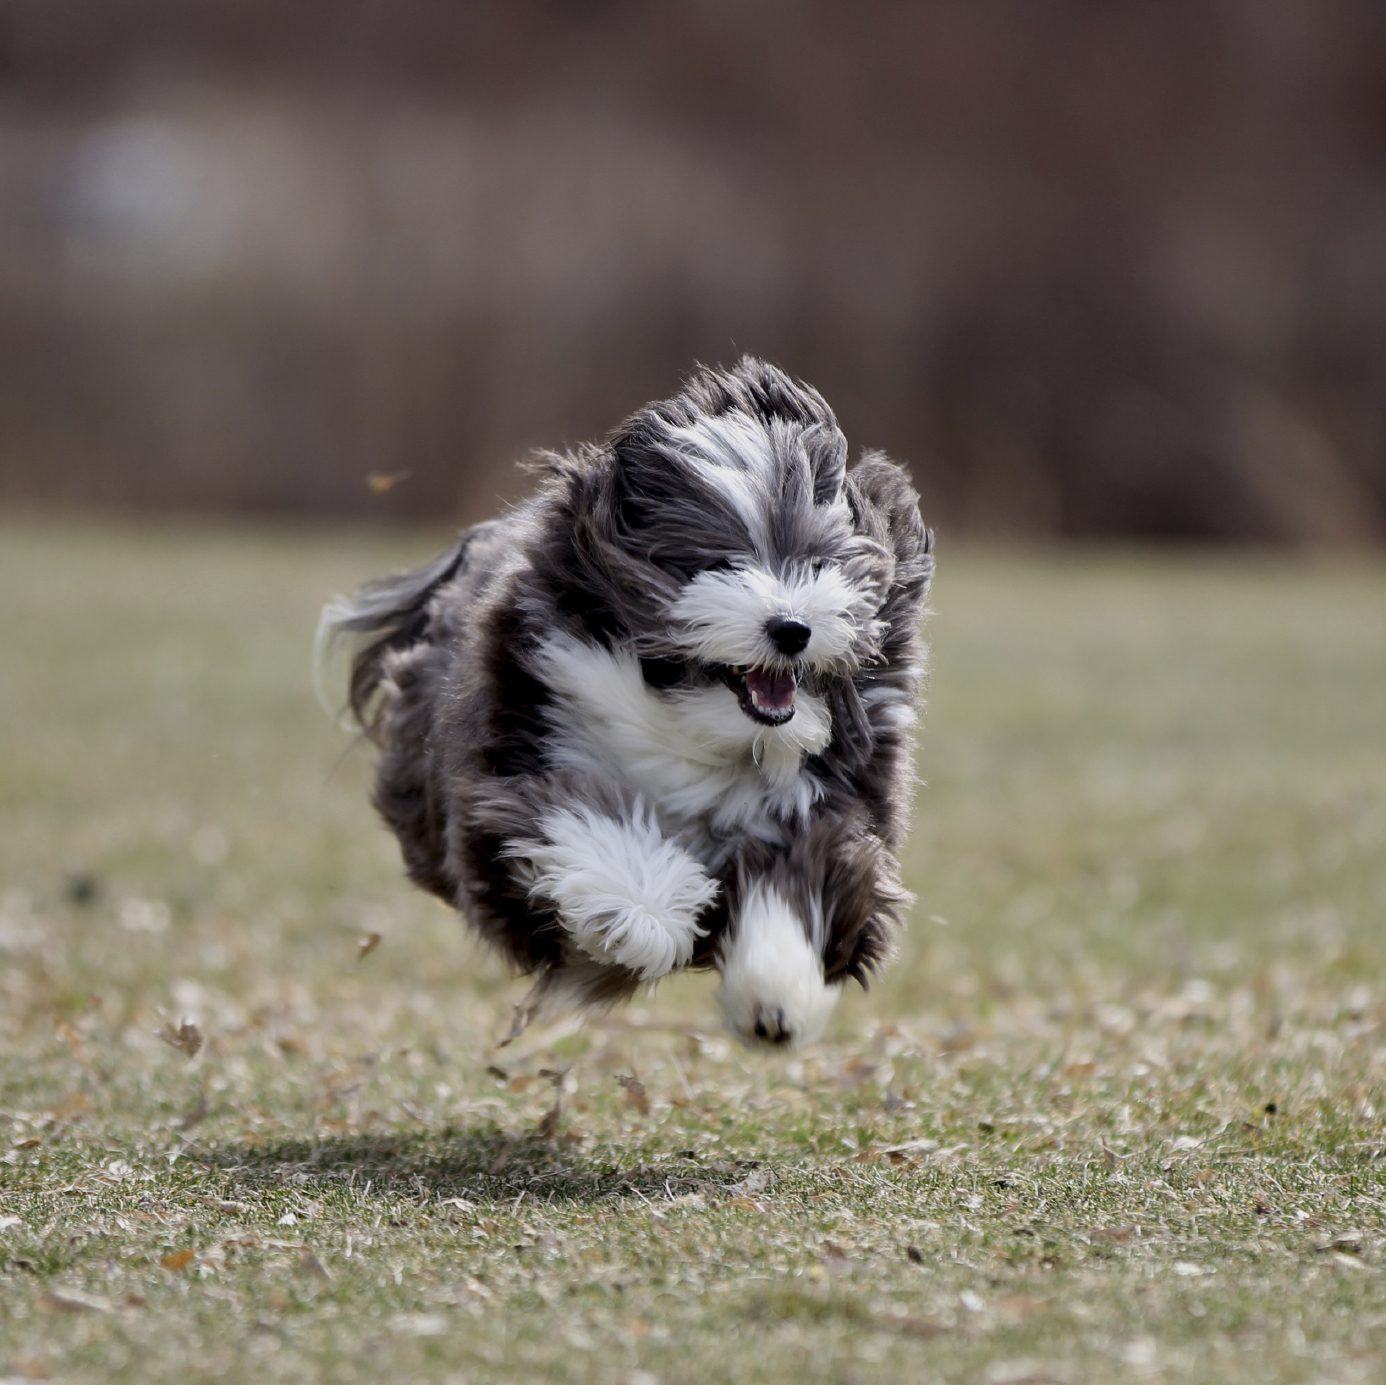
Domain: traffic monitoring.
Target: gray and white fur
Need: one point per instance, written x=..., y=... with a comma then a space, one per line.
x=661, y=715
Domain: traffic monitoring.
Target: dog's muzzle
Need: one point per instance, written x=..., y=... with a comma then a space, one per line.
x=766, y=695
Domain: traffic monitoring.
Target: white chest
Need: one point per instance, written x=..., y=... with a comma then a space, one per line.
x=707, y=770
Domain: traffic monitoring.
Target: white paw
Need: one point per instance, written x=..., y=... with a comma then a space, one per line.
x=626, y=895
x=773, y=993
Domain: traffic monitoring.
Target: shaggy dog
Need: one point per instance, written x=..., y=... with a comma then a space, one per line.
x=660, y=716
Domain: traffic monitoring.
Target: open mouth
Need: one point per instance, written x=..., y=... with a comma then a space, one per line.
x=766, y=695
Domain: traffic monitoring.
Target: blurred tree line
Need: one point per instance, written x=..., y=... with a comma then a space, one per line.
x=1093, y=267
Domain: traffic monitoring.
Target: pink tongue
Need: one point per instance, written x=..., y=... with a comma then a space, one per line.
x=771, y=688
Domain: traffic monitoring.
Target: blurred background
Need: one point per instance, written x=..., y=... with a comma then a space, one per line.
x=1093, y=269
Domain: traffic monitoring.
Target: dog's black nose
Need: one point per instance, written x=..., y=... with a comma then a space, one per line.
x=788, y=635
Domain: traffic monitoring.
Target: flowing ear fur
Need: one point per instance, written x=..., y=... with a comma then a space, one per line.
x=886, y=509
x=827, y=456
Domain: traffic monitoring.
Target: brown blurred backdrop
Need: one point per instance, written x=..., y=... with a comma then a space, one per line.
x=1093, y=267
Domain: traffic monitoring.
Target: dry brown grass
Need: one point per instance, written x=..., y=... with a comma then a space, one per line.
x=1116, y=1115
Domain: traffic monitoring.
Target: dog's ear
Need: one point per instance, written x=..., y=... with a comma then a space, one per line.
x=827, y=458
x=886, y=509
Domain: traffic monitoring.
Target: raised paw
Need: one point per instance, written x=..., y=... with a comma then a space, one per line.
x=626, y=894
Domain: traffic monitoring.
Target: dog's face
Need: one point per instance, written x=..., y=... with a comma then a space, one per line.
x=766, y=581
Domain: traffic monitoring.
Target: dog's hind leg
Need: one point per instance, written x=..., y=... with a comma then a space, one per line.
x=626, y=895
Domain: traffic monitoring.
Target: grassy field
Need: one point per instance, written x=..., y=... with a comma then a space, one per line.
x=1116, y=1114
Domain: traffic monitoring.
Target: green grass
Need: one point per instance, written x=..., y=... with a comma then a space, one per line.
x=1116, y=1113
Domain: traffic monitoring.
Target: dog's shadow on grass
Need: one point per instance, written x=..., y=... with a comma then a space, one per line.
x=484, y=1164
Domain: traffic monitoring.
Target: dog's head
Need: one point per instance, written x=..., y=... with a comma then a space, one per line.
x=731, y=530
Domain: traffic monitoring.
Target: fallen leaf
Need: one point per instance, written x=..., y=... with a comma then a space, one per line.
x=635, y=1093
x=30, y=1368
x=71, y=1105
x=179, y=1260
x=190, y=1118
x=1107, y=1235
x=1023, y=1372
x=420, y=1324
x=1016, y=1308
x=503, y=1154
x=900, y=1319
x=365, y=946
x=308, y=1263
x=187, y=1038
x=73, y=1301
x=548, y=1126
x=1350, y=1241
x=382, y=481
x=757, y=1181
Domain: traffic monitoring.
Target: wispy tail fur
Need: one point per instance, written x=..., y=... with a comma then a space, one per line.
x=393, y=614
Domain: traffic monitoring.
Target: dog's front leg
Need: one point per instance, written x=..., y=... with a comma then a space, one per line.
x=625, y=894
x=773, y=990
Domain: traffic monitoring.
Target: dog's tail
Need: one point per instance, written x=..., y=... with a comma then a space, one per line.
x=387, y=614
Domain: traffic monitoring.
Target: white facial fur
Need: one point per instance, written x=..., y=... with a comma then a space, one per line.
x=624, y=893
x=721, y=616
x=692, y=755
x=772, y=991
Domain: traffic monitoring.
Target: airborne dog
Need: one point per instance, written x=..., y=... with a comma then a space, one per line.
x=661, y=715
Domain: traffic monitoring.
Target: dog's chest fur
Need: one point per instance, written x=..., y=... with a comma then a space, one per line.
x=709, y=773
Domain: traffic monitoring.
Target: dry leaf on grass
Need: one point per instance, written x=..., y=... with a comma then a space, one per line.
x=1022, y=1372
x=190, y=1118
x=1016, y=1308
x=187, y=1038
x=73, y=1301
x=308, y=1263
x=912, y=1152
x=179, y=1260
x=1109, y=1235
x=898, y=1318
x=223, y=1204
x=503, y=1154
x=366, y=945
x=30, y=1368
x=635, y=1093
x=70, y=1105
x=757, y=1181
x=419, y=1324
